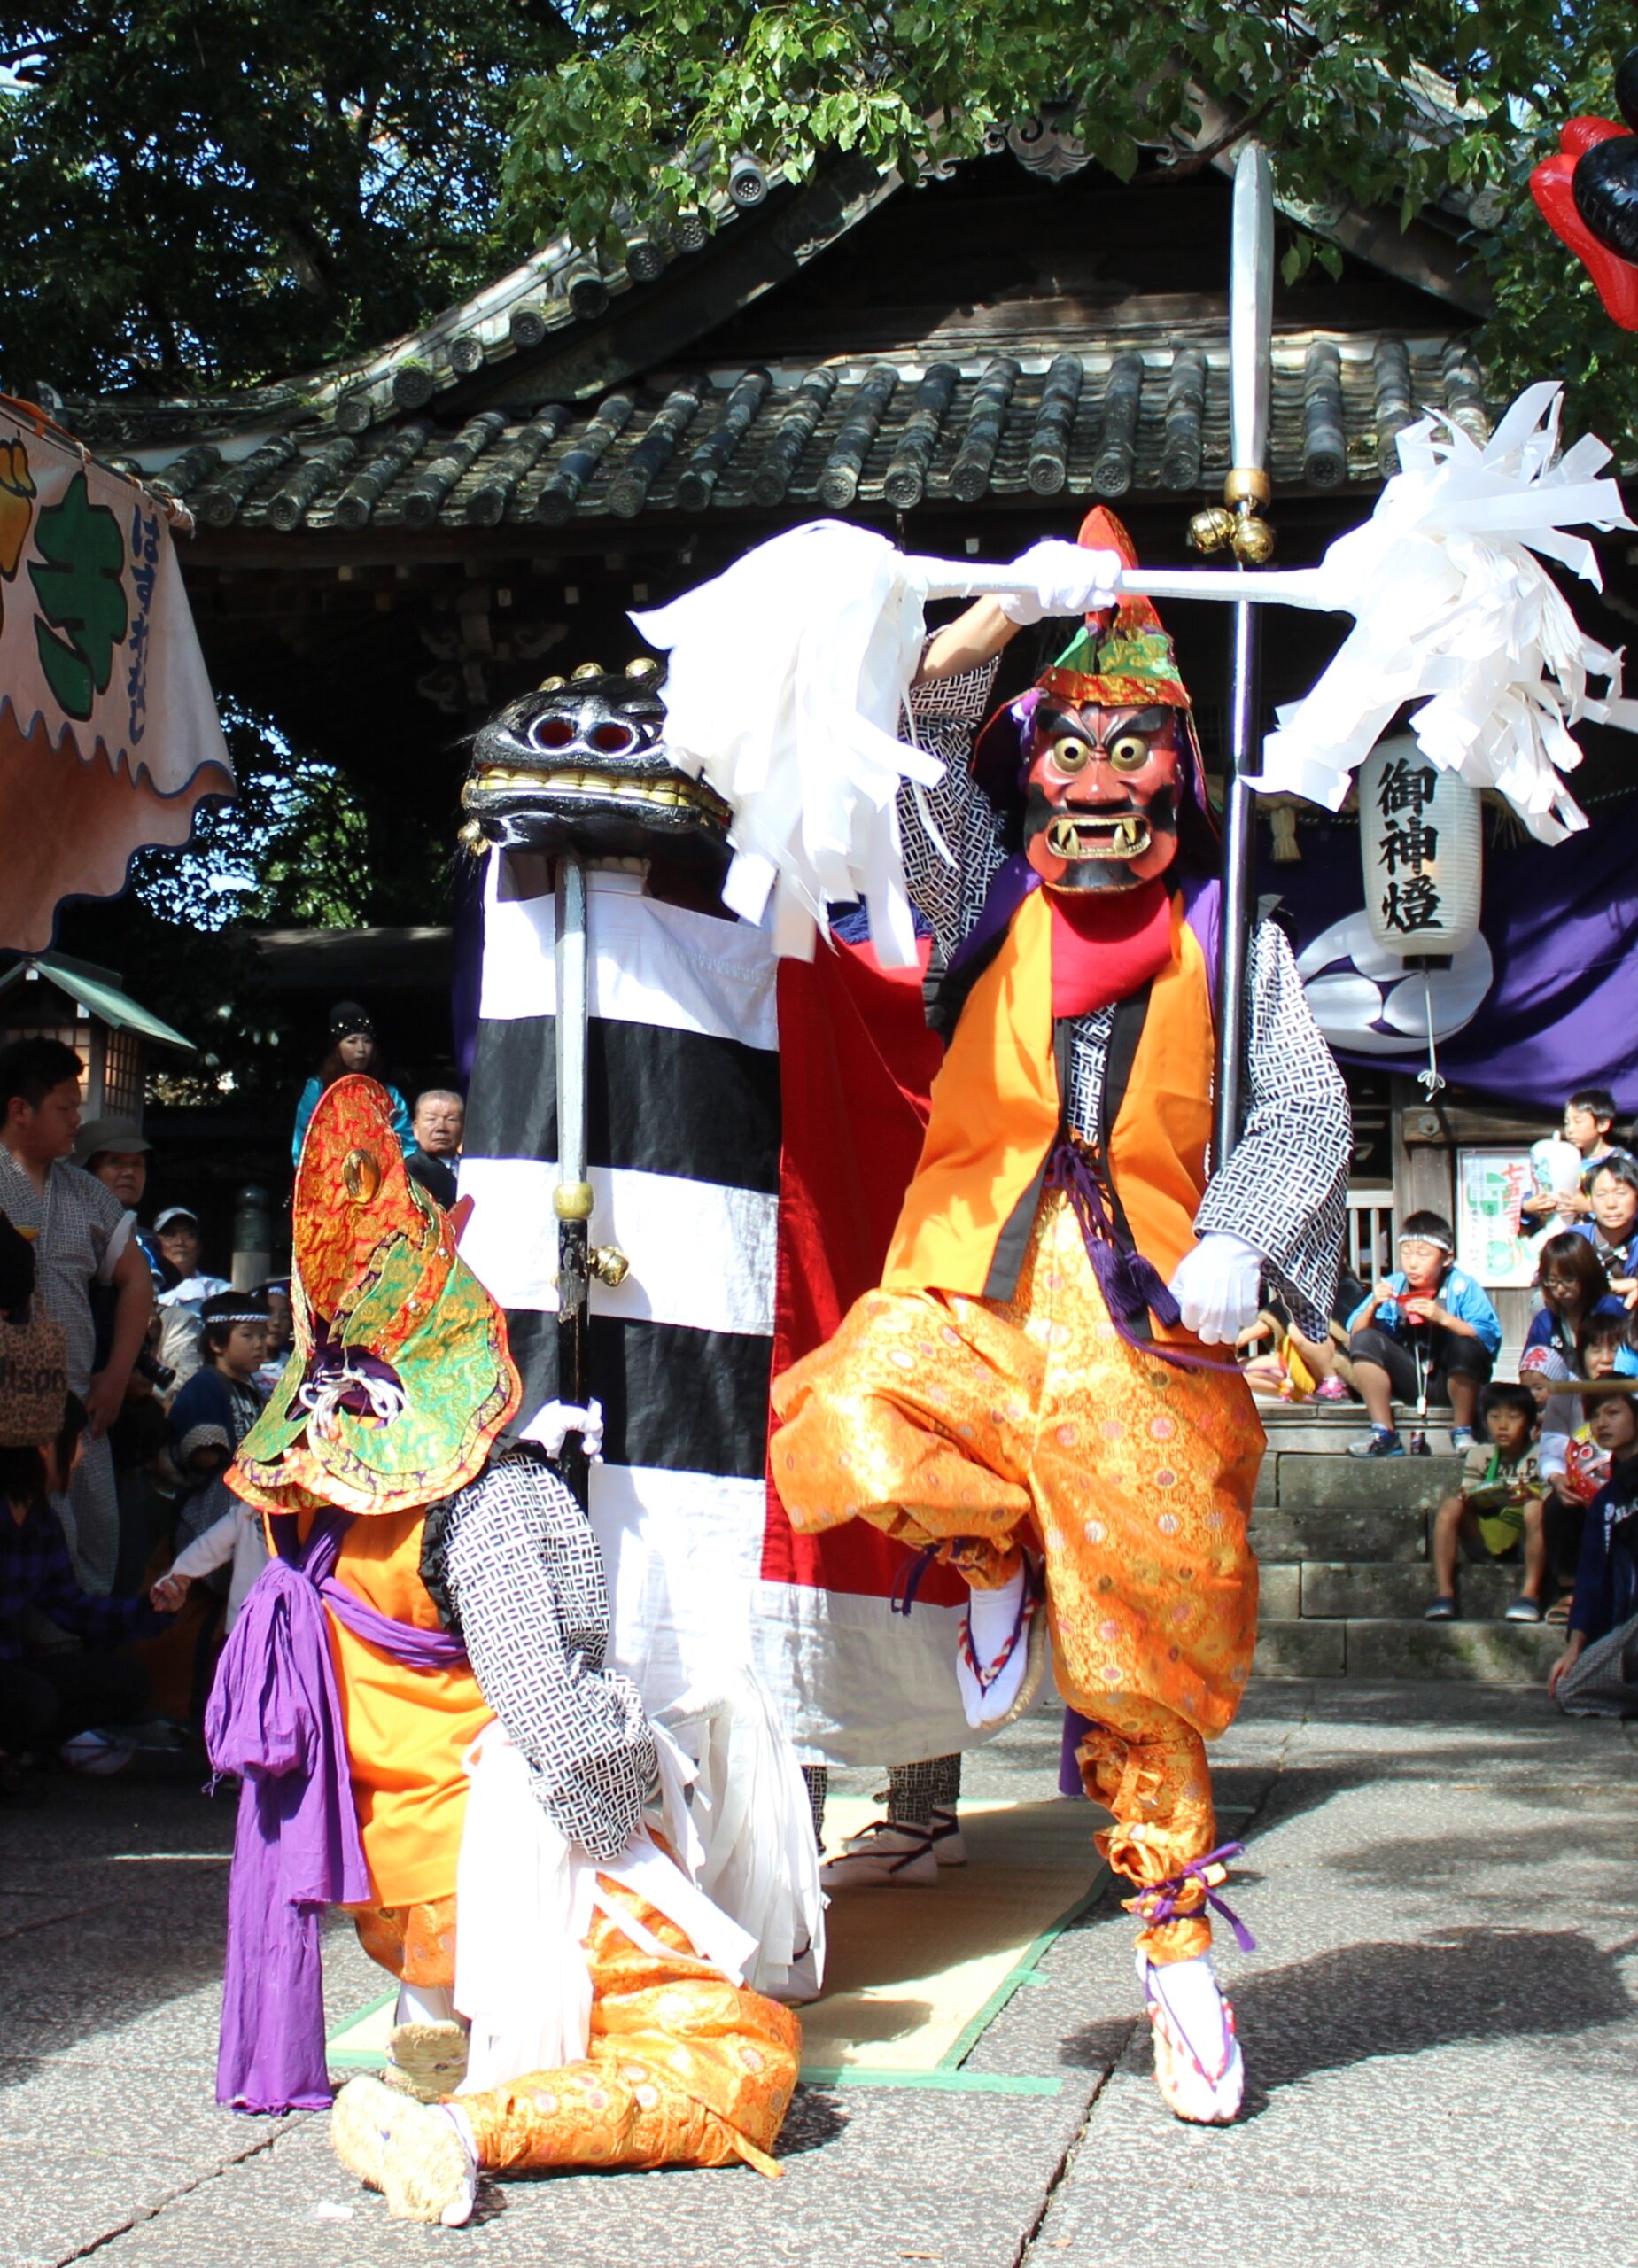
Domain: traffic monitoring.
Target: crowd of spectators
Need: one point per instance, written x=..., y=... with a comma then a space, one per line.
x=1548, y=1483
x=126, y=1555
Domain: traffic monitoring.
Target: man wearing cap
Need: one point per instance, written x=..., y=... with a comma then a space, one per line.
x=81, y=1234
x=180, y=1238
x=116, y=1154
x=1027, y=1397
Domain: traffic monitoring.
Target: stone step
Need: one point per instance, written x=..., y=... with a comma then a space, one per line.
x=1477, y=1653
x=1278, y=1534
x=1332, y=1589
x=1326, y=1428
x=1297, y=1648
x=1311, y=1482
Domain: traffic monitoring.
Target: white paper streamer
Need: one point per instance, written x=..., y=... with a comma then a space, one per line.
x=1454, y=607
x=789, y=671
x=759, y=1862
x=787, y=676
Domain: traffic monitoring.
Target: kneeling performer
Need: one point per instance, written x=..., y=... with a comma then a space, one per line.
x=415, y=1698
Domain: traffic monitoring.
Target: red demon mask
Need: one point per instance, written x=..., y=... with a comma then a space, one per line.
x=1101, y=793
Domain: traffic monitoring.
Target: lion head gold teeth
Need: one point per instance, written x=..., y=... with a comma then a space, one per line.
x=582, y=764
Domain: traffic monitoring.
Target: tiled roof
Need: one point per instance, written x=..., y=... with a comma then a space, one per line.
x=1112, y=416
x=558, y=293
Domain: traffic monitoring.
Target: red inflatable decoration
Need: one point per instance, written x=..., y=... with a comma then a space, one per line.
x=1589, y=196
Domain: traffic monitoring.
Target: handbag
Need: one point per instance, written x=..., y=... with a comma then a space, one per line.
x=34, y=1381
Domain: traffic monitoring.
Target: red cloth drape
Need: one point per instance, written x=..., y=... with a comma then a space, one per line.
x=855, y=1064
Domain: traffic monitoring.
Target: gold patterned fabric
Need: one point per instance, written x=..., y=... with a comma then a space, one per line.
x=682, y=2068
x=977, y=1428
x=415, y=1944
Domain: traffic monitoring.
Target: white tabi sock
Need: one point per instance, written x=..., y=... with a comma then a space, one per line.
x=992, y=1617
x=424, y=2004
x=1194, y=1999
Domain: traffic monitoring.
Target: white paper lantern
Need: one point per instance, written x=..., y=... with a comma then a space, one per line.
x=1423, y=847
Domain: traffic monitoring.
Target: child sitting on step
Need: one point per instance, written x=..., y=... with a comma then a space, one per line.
x=1597, y=1675
x=1498, y=1508
x=1426, y=1333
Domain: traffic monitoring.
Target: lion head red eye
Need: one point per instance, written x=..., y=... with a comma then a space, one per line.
x=613, y=739
x=551, y=731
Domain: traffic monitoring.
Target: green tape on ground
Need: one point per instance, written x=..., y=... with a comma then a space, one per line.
x=1026, y=1972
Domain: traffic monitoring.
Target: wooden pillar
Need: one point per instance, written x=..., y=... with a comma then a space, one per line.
x=1424, y=1165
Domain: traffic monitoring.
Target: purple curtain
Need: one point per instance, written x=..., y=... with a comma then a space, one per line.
x=1562, y=925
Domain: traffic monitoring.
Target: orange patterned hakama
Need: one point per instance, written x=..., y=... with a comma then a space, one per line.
x=415, y=1944
x=978, y=1426
x=682, y=2068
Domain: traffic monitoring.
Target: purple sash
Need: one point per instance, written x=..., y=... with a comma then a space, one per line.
x=274, y=1718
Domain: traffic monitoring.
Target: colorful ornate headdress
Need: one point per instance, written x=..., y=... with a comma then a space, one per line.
x=1122, y=657
x=399, y=1379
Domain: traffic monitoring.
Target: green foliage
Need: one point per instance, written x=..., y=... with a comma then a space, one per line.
x=294, y=848
x=1423, y=103
x=201, y=194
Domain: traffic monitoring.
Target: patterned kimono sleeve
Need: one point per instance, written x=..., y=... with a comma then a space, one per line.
x=955, y=818
x=524, y=1580
x=1284, y=1187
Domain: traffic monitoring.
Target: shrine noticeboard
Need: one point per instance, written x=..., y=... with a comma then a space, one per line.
x=1491, y=1184
x=108, y=728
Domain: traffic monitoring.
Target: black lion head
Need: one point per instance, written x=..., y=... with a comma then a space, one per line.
x=581, y=764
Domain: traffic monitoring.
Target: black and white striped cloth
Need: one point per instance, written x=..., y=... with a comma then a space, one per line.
x=684, y=1139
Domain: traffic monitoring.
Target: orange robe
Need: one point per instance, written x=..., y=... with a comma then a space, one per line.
x=408, y=1730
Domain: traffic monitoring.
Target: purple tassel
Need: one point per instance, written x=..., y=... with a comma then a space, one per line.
x=1075, y=1728
x=1131, y=1286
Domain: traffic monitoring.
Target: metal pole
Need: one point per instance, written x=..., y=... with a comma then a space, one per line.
x=571, y=1199
x=1251, y=312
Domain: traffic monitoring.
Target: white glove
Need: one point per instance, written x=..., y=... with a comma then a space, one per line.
x=1217, y=1285
x=1067, y=579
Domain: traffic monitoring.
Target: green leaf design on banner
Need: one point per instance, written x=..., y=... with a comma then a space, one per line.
x=81, y=590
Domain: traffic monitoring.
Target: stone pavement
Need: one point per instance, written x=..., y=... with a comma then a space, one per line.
x=1438, y=2023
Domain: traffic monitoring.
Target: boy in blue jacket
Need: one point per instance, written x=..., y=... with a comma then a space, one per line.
x=1426, y=1326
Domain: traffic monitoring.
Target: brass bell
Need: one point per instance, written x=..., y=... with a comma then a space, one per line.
x=473, y=840
x=551, y=684
x=608, y=1264
x=586, y=668
x=1212, y=529
x=1253, y=541
x=644, y=665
